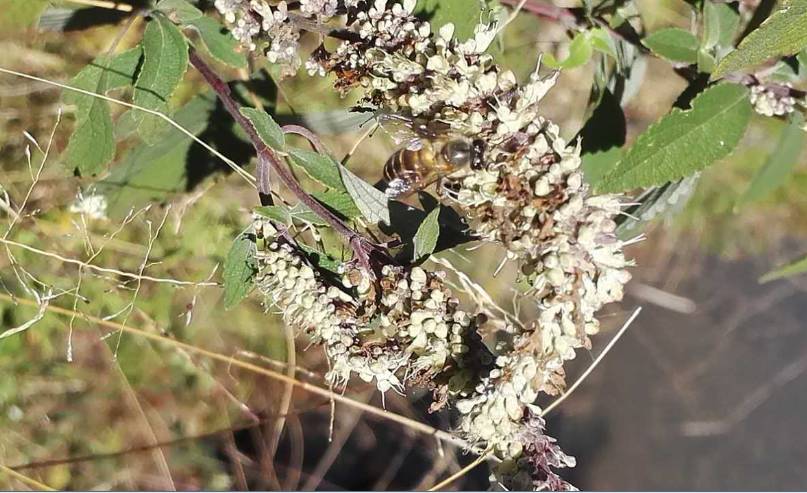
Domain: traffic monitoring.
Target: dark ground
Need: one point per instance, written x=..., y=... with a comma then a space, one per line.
x=713, y=400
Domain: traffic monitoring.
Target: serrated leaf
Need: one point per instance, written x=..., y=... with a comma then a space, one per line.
x=149, y=173
x=598, y=164
x=783, y=33
x=240, y=268
x=165, y=59
x=320, y=167
x=373, y=203
x=219, y=43
x=684, y=141
x=339, y=202
x=181, y=9
x=788, y=270
x=720, y=24
x=778, y=165
x=425, y=239
x=580, y=51
x=92, y=143
x=277, y=213
x=675, y=44
x=321, y=259
x=268, y=130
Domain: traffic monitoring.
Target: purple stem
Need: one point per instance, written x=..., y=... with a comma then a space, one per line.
x=306, y=134
x=268, y=159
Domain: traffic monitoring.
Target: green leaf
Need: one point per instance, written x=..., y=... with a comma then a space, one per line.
x=277, y=213
x=783, y=33
x=602, y=138
x=602, y=41
x=338, y=201
x=778, y=165
x=464, y=14
x=240, y=268
x=149, y=173
x=706, y=62
x=320, y=167
x=598, y=164
x=182, y=10
x=802, y=59
x=580, y=51
x=675, y=44
x=684, y=141
x=20, y=14
x=286, y=215
x=92, y=144
x=321, y=259
x=219, y=43
x=788, y=270
x=428, y=232
x=268, y=130
x=373, y=203
x=165, y=59
x=720, y=24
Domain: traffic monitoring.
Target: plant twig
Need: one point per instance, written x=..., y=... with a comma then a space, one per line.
x=106, y=270
x=362, y=248
x=314, y=389
x=229, y=162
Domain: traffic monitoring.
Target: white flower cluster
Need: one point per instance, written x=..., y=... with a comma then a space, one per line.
x=256, y=23
x=768, y=102
x=533, y=468
x=529, y=196
x=408, y=332
x=93, y=205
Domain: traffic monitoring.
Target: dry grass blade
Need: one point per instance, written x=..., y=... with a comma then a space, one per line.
x=33, y=483
x=229, y=162
x=105, y=270
x=381, y=413
x=462, y=472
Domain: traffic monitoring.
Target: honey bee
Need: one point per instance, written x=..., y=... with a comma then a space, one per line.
x=429, y=157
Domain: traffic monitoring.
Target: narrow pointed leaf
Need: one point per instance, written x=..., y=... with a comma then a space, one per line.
x=778, y=165
x=684, y=141
x=789, y=270
x=240, y=268
x=320, y=167
x=426, y=237
x=268, y=130
x=340, y=202
x=673, y=44
x=783, y=33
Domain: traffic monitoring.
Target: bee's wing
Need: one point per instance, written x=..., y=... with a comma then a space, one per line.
x=402, y=130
